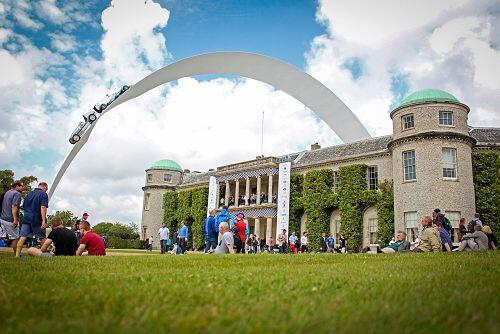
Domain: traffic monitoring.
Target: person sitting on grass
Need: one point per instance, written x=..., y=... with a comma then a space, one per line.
x=430, y=241
x=474, y=241
x=226, y=243
x=65, y=243
x=400, y=245
x=91, y=243
x=492, y=240
x=445, y=238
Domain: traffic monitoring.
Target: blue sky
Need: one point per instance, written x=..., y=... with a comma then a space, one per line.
x=57, y=58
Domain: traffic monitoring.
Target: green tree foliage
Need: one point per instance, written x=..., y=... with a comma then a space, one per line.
x=385, y=213
x=7, y=178
x=486, y=169
x=66, y=216
x=296, y=205
x=102, y=228
x=170, y=208
x=198, y=214
x=317, y=191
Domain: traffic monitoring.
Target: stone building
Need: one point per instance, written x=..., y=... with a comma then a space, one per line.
x=428, y=157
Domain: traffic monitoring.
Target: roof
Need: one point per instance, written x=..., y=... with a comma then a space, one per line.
x=428, y=95
x=166, y=164
x=486, y=135
x=190, y=179
x=343, y=151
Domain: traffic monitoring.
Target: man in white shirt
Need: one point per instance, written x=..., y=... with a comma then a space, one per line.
x=164, y=234
x=303, y=242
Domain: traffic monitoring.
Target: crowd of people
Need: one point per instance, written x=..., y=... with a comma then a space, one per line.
x=252, y=200
x=54, y=239
x=223, y=233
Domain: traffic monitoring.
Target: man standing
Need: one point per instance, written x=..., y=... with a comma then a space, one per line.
x=35, y=216
x=164, y=234
x=430, y=241
x=9, y=214
x=64, y=241
x=293, y=240
x=183, y=237
x=303, y=243
x=91, y=242
x=330, y=242
x=242, y=230
x=210, y=233
x=150, y=243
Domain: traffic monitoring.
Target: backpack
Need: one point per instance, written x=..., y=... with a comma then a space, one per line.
x=446, y=224
x=238, y=243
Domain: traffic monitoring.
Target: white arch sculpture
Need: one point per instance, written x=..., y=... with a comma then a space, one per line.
x=283, y=76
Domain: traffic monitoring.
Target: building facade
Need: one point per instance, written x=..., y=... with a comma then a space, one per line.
x=428, y=157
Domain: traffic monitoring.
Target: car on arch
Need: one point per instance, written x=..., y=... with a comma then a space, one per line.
x=102, y=105
x=77, y=134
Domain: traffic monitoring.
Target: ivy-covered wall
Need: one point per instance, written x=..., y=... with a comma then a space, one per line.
x=486, y=169
x=312, y=194
x=189, y=206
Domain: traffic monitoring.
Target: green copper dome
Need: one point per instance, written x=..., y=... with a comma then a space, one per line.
x=166, y=164
x=428, y=95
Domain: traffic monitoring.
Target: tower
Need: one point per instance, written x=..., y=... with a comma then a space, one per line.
x=432, y=160
x=162, y=176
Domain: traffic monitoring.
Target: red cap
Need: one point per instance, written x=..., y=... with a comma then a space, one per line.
x=85, y=214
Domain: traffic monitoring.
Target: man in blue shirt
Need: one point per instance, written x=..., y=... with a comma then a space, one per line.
x=209, y=229
x=35, y=215
x=330, y=243
x=446, y=242
x=223, y=216
x=183, y=237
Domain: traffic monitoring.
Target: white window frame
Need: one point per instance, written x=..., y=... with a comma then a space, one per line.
x=407, y=120
x=165, y=177
x=449, y=167
x=410, y=219
x=335, y=186
x=405, y=166
x=444, y=120
x=372, y=172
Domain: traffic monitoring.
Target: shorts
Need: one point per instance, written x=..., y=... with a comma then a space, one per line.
x=47, y=254
x=11, y=231
x=32, y=231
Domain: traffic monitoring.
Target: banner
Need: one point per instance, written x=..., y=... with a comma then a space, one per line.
x=212, y=194
x=283, y=198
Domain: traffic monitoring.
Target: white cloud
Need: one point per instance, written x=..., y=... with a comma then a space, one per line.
x=48, y=9
x=62, y=42
x=445, y=44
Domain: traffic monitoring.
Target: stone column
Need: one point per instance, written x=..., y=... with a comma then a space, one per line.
x=270, y=189
x=217, y=196
x=259, y=179
x=237, y=193
x=269, y=229
x=247, y=191
x=257, y=227
x=226, y=197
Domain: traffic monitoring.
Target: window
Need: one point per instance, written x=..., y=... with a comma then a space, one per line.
x=146, y=201
x=167, y=177
x=373, y=177
x=454, y=218
x=372, y=230
x=408, y=121
x=449, y=163
x=446, y=118
x=335, y=181
x=150, y=177
x=411, y=225
x=409, y=165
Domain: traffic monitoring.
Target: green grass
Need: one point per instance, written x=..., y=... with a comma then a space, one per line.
x=413, y=293
x=129, y=251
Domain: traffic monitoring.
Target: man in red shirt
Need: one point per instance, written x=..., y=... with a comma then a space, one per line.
x=242, y=227
x=91, y=241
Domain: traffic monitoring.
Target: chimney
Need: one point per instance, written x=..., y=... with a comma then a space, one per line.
x=315, y=146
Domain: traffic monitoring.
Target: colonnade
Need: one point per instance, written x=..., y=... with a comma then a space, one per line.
x=259, y=190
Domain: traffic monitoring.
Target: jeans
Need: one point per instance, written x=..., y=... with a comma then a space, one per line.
x=182, y=245
x=210, y=243
x=163, y=246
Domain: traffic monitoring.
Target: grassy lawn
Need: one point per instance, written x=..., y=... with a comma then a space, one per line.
x=413, y=293
x=138, y=251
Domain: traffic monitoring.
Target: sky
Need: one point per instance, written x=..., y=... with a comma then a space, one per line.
x=58, y=58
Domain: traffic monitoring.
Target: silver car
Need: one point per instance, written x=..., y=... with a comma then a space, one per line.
x=101, y=106
x=77, y=134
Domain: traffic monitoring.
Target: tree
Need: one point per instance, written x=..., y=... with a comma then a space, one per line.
x=102, y=228
x=7, y=178
x=66, y=216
